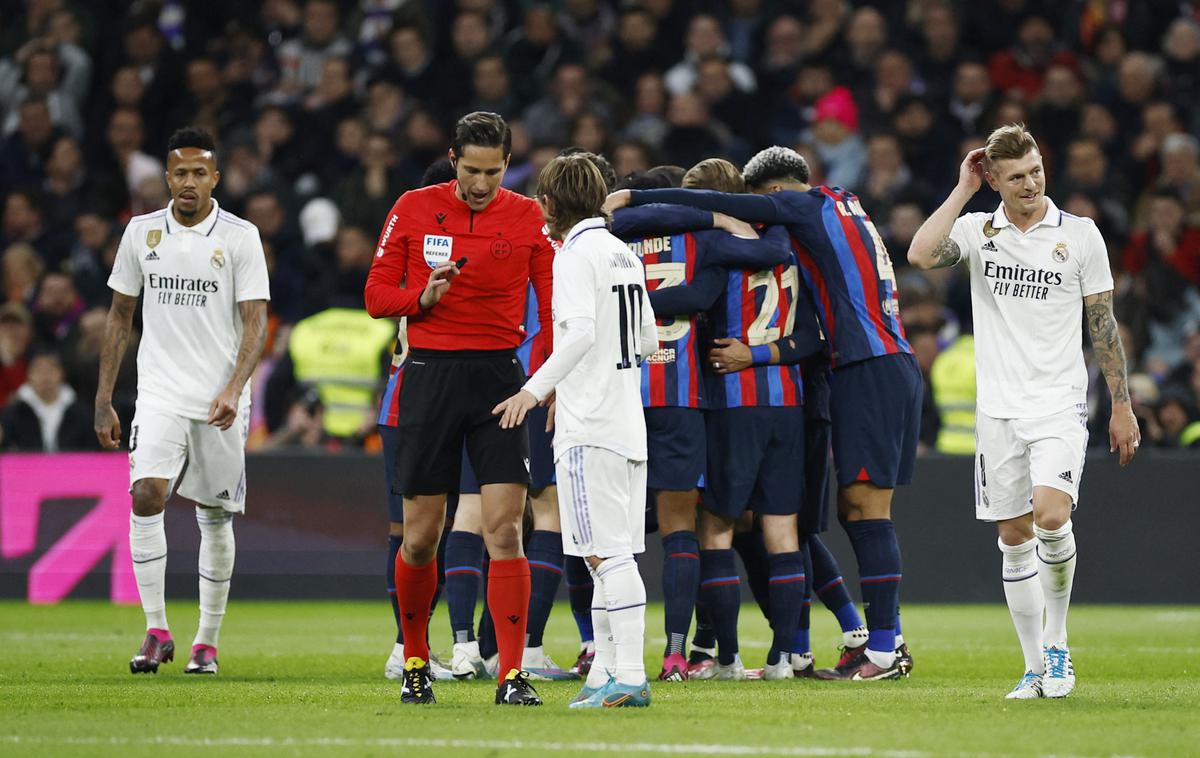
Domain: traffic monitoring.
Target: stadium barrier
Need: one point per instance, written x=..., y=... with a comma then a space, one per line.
x=316, y=525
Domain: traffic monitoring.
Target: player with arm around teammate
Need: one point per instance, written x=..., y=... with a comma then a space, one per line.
x=604, y=325
x=203, y=278
x=1032, y=266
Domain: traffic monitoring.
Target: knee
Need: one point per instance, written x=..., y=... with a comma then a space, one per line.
x=504, y=539
x=418, y=554
x=1053, y=520
x=1015, y=532
x=149, y=499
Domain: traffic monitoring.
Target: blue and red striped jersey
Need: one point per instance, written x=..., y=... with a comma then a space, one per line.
x=389, y=403
x=671, y=376
x=843, y=261
x=758, y=307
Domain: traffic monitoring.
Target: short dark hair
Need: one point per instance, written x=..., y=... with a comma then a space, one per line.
x=670, y=176
x=775, y=163
x=192, y=136
x=438, y=172
x=481, y=129
x=606, y=169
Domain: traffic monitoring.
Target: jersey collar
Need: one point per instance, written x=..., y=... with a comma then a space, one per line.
x=588, y=223
x=1053, y=217
x=204, y=228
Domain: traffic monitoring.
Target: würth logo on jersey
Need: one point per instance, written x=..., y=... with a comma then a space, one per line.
x=387, y=232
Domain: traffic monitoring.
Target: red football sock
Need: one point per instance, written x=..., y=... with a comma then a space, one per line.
x=415, y=587
x=508, y=600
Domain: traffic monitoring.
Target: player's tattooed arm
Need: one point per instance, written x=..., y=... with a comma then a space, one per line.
x=1106, y=343
x=116, y=338
x=947, y=253
x=1124, y=436
x=254, y=340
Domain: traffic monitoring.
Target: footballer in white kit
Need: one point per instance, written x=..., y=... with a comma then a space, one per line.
x=1034, y=271
x=202, y=277
x=603, y=327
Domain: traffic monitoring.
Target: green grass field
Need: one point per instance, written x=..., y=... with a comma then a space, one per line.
x=307, y=679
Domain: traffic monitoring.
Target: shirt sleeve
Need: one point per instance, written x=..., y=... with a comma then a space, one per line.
x=766, y=252
x=696, y=296
x=578, y=336
x=649, y=329
x=385, y=294
x=574, y=287
x=126, y=276
x=751, y=208
x=963, y=233
x=250, y=279
x=541, y=276
x=1094, y=274
x=657, y=218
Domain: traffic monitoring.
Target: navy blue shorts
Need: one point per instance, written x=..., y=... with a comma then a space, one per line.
x=814, y=511
x=754, y=461
x=675, y=447
x=541, y=450
x=876, y=410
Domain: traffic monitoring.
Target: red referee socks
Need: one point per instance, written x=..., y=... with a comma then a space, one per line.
x=508, y=600
x=415, y=587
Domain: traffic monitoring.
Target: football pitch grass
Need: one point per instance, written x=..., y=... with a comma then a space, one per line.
x=306, y=678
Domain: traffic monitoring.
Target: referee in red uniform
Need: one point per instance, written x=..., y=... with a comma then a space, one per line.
x=457, y=260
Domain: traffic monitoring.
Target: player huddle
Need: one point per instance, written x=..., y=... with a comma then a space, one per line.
x=704, y=348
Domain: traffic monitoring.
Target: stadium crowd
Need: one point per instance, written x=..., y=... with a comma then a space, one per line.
x=325, y=111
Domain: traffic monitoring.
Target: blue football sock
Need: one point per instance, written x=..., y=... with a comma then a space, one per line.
x=721, y=588
x=394, y=543
x=464, y=566
x=786, y=587
x=579, y=590
x=753, y=552
x=704, y=637
x=878, y=553
x=681, y=582
x=829, y=586
x=800, y=642
x=545, y=555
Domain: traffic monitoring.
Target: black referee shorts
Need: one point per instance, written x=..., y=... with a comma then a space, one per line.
x=446, y=401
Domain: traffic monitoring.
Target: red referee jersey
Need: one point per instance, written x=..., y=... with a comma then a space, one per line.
x=485, y=305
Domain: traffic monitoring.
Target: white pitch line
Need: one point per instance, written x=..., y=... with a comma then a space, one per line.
x=800, y=751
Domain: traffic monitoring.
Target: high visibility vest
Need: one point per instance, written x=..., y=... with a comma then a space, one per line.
x=338, y=351
x=953, y=379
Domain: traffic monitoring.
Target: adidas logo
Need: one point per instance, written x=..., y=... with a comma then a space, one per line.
x=223, y=495
x=989, y=246
x=1066, y=477
x=152, y=256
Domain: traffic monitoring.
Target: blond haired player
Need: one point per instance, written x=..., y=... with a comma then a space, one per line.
x=1033, y=268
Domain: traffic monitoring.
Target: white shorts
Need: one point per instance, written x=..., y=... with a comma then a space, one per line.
x=1012, y=456
x=161, y=442
x=601, y=502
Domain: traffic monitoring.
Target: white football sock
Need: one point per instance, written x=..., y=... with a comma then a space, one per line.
x=881, y=658
x=625, y=600
x=1023, y=591
x=605, y=662
x=148, y=548
x=1056, y=554
x=216, y=570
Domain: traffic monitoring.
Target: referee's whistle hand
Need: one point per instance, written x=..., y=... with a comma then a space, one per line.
x=438, y=284
x=512, y=411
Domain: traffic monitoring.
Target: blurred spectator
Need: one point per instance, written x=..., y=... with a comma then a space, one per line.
x=1086, y=170
x=635, y=51
x=354, y=250
x=56, y=310
x=24, y=152
x=693, y=134
x=36, y=73
x=926, y=151
x=491, y=88
x=728, y=104
x=16, y=335
x=648, y=123
x=160, y=72
x=126, y=136
x=304, y=423
x=834, y=135
x=25, y=221
x=972, y=97
x=888, y=178
x=535, y=50
x=866, y=39
x=1181, y=53
x=366, y=196
x=302, y=58
x=82, y=363
x=940, y=53
x=410, y=62
x=894, y=79
x=1167, y=240
x=1138, y=78
x=704, y=40
x=783, y=55
x=589, y=24
x=823, y=26
x=87, y=262
x=44, y=415
x=631, y=156
x=590, y=132
x=265, y=210
x=1021, y=70
x=1057, y=109
x=214, y=105
x=1181, y=172
x=570, y=94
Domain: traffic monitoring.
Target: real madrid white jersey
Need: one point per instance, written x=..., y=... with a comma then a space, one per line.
x=193, y=279
x=599, y=403
x=1027, y=292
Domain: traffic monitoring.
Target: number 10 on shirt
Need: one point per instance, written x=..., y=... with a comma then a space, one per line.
x=629, y=304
